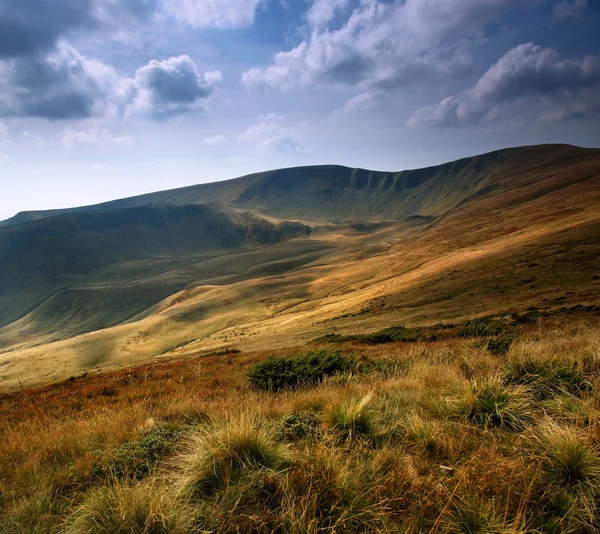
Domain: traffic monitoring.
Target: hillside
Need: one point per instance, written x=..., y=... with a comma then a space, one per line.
x=282, y=257
x=335, y=193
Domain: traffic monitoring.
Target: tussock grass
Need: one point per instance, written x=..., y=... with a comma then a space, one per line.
x=476, y=517
x=401, y=444
x=222, y=453
x=569, y=460
x=493, y=403
x=121, y=509
x=352, y=419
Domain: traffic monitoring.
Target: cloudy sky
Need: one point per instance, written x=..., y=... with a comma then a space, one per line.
x=101, y=99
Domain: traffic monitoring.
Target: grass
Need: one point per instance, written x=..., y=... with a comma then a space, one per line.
x=130, y=510
x=219, y=455
x=352, y=420
x=493, y=403
x=404, y=443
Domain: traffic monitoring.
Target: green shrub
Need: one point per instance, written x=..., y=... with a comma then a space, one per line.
x=492, y=403
x=481, y=327
x=275, y=374
x=500, y=345
x=546, y=378
x=387, y=335
x=298, y=426
x=135, y=459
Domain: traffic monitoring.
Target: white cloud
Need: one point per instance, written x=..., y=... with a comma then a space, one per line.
x=569, y=9
x=383, y=44
x=566, y=86
x=270, y=134
x=96, y=135
x=322, y=11
x=360, y=102
x=213, y=141
x=213, y=13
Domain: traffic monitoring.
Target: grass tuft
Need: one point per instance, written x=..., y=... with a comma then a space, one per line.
x=352, y=420
x=492, y=403
x=568, y=460
x=476, y=518
x=218, y=456
x=130, y=510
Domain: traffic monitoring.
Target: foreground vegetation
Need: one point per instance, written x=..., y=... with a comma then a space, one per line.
x=489, y=427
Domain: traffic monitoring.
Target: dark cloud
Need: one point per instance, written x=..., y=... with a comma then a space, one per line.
x=164, y=89
x=62, y=85
x=29, y=27
x=527, y=71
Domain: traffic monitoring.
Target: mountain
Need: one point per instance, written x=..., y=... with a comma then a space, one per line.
x=283, y=256
x=334, y=193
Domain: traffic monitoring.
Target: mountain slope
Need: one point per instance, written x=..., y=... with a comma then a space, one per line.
x=334, y=193
x=509, y=230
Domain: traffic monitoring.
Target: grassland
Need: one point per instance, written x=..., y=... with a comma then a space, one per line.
x=452, y=432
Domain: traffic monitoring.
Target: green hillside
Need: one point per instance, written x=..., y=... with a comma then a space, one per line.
x=335, y=193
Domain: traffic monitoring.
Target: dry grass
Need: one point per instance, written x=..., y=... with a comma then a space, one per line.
x=380, y=450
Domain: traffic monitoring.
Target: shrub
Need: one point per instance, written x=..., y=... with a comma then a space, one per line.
x=297, y=426
x=387, y=335
x=546, y=378
x=500, y=345
x=351, y=420
x=219, y=456
x=481, y=327
x=135, y=459
x=275, y=374
x=130, y=510
x=492, y=403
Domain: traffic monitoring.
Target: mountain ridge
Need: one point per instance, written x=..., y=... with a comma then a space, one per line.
x=242, y=191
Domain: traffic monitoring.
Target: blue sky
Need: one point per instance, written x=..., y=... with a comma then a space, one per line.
x=102, y=99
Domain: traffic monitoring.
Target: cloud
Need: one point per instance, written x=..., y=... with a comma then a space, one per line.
x=61, y=85
x=525, y=72
x=270, y=134
x=322, y=11
x=28, y=27
x=96, y=135
x=569, y=9
x=164, y=89
x=359, y=102
x=213, y=13
x=213, y=141
x=382, y=44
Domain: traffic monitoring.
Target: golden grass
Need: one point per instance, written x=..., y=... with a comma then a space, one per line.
x=406, y=462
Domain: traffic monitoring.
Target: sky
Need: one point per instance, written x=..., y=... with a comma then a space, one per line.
x=104, y=99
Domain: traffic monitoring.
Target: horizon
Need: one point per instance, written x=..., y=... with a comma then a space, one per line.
x=116, y=99
x=445, y=162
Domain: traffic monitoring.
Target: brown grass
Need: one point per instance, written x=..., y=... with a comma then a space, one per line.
x=405, y=462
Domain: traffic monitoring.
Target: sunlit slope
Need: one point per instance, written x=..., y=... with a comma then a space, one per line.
x=532, y=238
